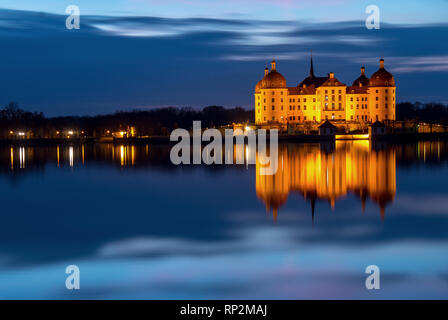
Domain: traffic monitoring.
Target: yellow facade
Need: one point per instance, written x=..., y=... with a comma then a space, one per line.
x=318, y=99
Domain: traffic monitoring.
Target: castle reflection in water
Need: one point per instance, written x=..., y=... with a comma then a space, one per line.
x=328, y=172
x=316, y=171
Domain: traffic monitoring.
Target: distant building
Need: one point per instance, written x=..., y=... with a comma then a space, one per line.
x=317, y=99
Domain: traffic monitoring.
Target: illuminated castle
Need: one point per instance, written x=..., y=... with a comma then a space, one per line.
x=318, y=99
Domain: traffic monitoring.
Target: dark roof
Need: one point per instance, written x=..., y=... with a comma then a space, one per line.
x=274, y=79
x=327, y=124
x=378, y=124
x=382, y=78
x=312, y=81
x=293, y=90
x=332, y=82
x=259, y=86
x=362, y=79
x=357, y=89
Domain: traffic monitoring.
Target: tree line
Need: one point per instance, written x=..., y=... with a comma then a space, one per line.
x=163, y=120
x=158, y=122
x=428, y=112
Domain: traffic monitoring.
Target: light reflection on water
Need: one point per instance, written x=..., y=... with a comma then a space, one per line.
x=139, y=227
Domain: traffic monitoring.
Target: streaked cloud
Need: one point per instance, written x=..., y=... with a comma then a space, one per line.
x=149, y=56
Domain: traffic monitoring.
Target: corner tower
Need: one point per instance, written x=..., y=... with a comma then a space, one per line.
x=382, y=95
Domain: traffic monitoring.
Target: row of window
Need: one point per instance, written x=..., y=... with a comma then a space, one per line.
x=357, y=99
x=333, y=98
x=332, y=91
x=333, y=117
x=298, y=100
x=363, y=106
x=298, y=118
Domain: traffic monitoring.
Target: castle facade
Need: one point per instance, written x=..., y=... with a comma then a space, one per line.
x=317, y=99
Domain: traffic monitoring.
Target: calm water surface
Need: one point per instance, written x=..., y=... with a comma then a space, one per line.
x=139, y=227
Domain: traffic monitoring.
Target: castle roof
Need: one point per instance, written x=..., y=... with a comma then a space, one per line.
x=332, y=81
x=357, y=89
x=259, y=86
x=362, y=80
x=312, y=81
x=308, y=86
x=274, y=79
x=382, y=77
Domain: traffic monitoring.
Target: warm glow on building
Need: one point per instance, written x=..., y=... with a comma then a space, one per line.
x=317, y=99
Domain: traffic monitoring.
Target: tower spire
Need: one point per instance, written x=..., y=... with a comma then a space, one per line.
x=311, y=66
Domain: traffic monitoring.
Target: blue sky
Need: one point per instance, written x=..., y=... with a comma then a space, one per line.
x=144, y=54
x=397, y=11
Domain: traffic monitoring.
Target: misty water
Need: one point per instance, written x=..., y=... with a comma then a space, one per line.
x=139, y=227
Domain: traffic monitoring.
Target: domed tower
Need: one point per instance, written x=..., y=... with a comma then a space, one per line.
x=382, y=95
x=358, y=99
x=362, y=80
x=270, y=97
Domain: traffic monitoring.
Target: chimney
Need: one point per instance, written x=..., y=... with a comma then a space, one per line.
x=266, y=71
x=363, y=71
x=273, y=65
x=381, y=63
x=331, y=75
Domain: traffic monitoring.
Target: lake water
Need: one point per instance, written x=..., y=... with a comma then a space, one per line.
x=141, y=228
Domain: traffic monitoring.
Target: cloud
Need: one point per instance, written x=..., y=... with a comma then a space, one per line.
x=146, y=57
x=432, y=204
x=252, y=239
